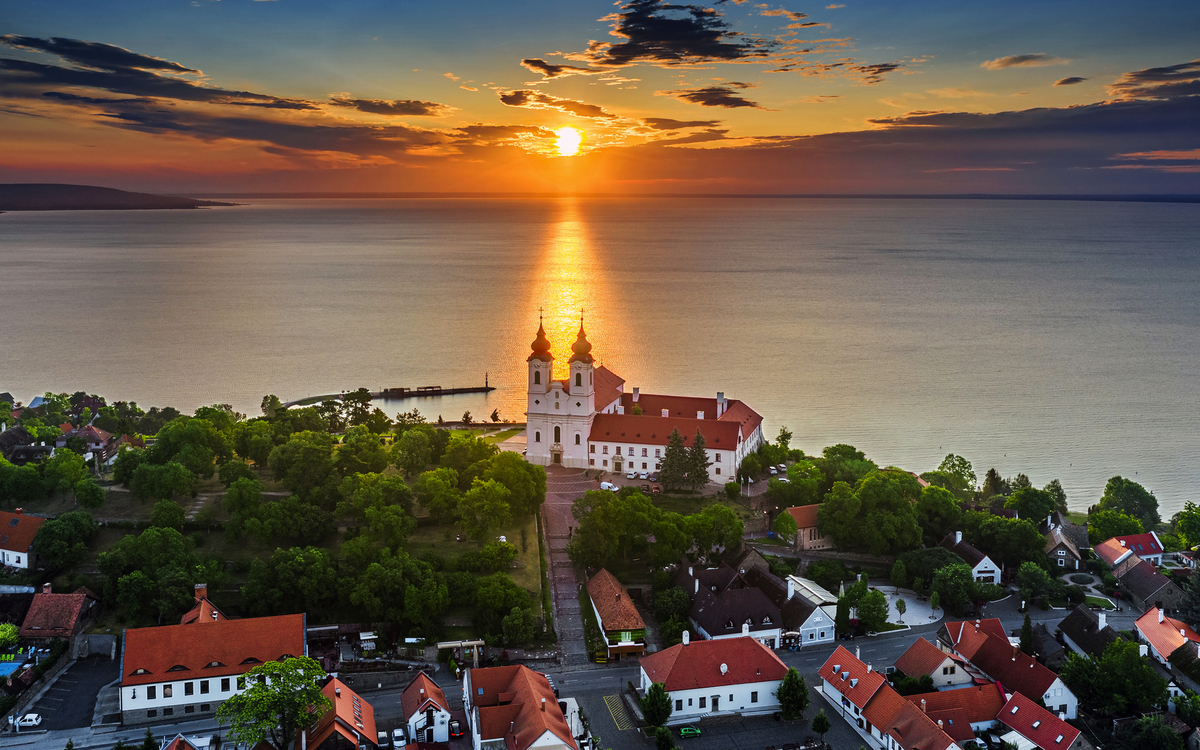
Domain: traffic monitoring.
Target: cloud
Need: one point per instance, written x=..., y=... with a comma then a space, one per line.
x=1035, y=60
x=793, y=15
x=724, y=95
x=970, y=169
x=874, y=73
x=820, y=98
x=468, y=88
x=94, y=54
x=1185, y=155
x=550, y=70
x=666, y=123
x=451, y=76
x=1159, y=83
x=1069, y=81
x=834, y=7
x=394, y=107
x=667, y=34
x=537, y=100
x=956, y=93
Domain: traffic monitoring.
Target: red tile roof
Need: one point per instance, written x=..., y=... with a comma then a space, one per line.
x=883, y=706
x=1165, y=636
x=515, y=696
x=55, y=615
x=1111, y=551
x=204, y=611
x=698, y=664
x=922, y=657
x=1012, y=668
x=978, y=704
x=1051, y=732
x=805, y=515
x=421, y=692
x=230, y=646
x=850, y=677
x=914, y=730
x=350, y=716
x=966, y=635
x=1141, y=544
x=17, y=531
x=954, y=723
x=608, y=386
x=612, y=601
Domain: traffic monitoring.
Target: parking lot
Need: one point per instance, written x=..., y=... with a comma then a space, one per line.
x=69, y=703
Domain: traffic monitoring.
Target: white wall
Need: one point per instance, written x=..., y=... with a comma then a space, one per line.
x=817, y=629
x=733, y=700
x=441, y=726
x=1058, y=696
x=14, y=559
x=134, y=697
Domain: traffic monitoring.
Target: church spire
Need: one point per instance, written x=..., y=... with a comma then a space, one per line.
x=582, y=348
x=541, y=344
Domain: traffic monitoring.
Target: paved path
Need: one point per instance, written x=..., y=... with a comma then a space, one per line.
x=563, y=486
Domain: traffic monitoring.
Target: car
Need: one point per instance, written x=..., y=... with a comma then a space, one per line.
x=654, y=478
x=608, y=486
x=398, y=738
x=689, y=731
x=631, y=474
x=784, y=480
x=28, y=720
x=774, y=471
x=644, y=475
x=783, y=467
x=456, y=729
x=381, y=739
x=656, y=489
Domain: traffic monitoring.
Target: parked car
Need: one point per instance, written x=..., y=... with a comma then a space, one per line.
x=689, y=731
x=608, y=486
x=398, y=738
x=653, y=476
x=644, y=475
x=774, y=471
x=28, y=720
x=783, y=467
x=456, y=729
x=784, y=480
x=631, y=474
x=656, y=489
x=381, y=739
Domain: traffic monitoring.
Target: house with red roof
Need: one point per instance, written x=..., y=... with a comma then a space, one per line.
x=1146, y=546
x=730, y=676
x=425, y=710
x=620, y=622
x=17, y=531
x=963, y=711
x=514, y=708
x=191, y=668
x=349, y=724
x=587, y=420
x=53, y=616
x=1165, y=635
x=97, y=441
x=807, y=535
x=1115, y=555
x=983, y=568
x=946, y=670
x=1034, y=727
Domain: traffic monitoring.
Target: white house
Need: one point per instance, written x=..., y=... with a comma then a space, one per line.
x=176, y=670
x=514, y=708
x=17, y=531
x=946, y=670
x=586, y=420
x=730, y=676
x=425, y=710
x=982, y=567
x=1165, y=635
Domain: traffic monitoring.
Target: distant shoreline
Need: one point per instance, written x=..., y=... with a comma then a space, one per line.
x=1132, y=198
x=60, y=197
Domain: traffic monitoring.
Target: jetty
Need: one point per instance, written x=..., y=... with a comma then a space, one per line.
x=398, y=393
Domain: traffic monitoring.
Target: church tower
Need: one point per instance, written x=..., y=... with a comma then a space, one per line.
x=582, y=371
x=537, y=412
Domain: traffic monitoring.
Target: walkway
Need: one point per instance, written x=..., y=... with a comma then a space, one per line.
x=563, y=486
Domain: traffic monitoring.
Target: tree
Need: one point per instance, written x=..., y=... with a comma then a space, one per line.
x=1033, y=580
x=23, y=485
x=784, y=525
x=1189, y=605
x=1008, y=541
x=495, y=417
x=751, y=467
x=993, y=485
x=873, y=610
x=271, y=405
x=518, y=626
x=304, y=462
x=231, y=471
x=63, y=470
x=484, y=508
x=1131, y=498
x=1152, y=731
x=300, y=579
x=61, y=543
x=280, y=699
x=495, y=596
x=1056, y=491
x=361, y=452
x=663, y=739
x=1117, y=682
x=437, y=492
x=792, y=695
x=899, y=573
x=412, y=452
x=89, y=494
x=935, y=600
x=167, y=514
x=149, y=743
x=1027, y=637
x=876, y=515
x=820, y=724
x=161, y=481
x=697, y=463
x=525, y=482
x=466, y=417
x=657, y=705
x=901, y=608
x=955, y=585
x=9, y=634
x=959, y=468
x=841, y=619
x=673, y=472
x=938, y=513
x=1105, y=524
x=1031, y=504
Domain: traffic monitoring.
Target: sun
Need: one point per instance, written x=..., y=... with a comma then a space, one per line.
x=569, y=140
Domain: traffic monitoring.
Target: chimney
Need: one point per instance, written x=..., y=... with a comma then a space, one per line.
x=666, y=413
x=636, y=392
x=697, y=591
x=724, y=668
x=1183, y=632
x=923, y=708
x=620, y=409
x=791, y=587
x=858, y=652
x=1101, y=621
x=618, y=597
x=19, y=511
x=939, y=723
x=422, y=691
x=1160, y=615
x=1122, y=542
x=957, y=537
x=687, y=637
x=700, y=415
x=868, y=669
x=201, y=591
x=720, y=404
x=46, y=588
x=543, y=705
x=1049, y=520
x=337, y=691
x=1062, y=715
x=745, y=628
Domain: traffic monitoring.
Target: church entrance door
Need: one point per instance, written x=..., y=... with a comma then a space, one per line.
x=617, y=466
x=556, y=458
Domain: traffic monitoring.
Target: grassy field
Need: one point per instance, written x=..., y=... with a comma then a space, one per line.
x=1095, y=601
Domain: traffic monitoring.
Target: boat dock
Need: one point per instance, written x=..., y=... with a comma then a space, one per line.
x=395, y=394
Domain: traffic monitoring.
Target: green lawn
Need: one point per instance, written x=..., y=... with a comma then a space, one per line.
x=1095, y=601
x=502, y=435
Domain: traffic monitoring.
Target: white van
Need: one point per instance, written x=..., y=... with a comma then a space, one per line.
x=608, y=486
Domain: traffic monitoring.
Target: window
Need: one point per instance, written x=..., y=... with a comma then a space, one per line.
x=718, y=458
x=1062, y=552
x=577, y=438
x=643, y=464
x=948, y=670
x=604, y=462
x=579, y=379
x=168, y=690
x=151, y=692
x=241, y=683
x=591, y=449
x=679, y=704
x=754, y=697
x=658, y=452
x=189, y=688
x=189, y=709
x=618, y=450
x=604, y=450
x=152, y=713
x=203, y=687
x=168, y=711
x=18, y=559
x=718, y=470
x=822, y=634
x=205, y=707
x=537, y=437
x=591, y=462
x=689, y=702
x=224, y=684
x=1061, y=562
x=557, y=434
x=537, y=377
x=810, y=636
x=704, y=703
x=643, y=452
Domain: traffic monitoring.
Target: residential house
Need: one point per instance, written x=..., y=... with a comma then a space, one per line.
x=730, y=676
x=514, y=708
x=1146, y=546
x=992, y=654
x=97, y=441
x=946, y=670
x=1116, y=556
x=53, y=616
x=1165, y=635
x=203, y=610
x=349, y=724
x=1077, y=533
x=174, y=670
x=963, y=711
x=17, y=531
x=425, y=710
x=1036, y=727
x=1146, y=587
x=982, y=567
x=808, y=538
x=1061, y=551
x=804, y=623
x=196, y=742
x=620, y=622
x=813, y=593
x=1047, y=649
x=1087, y=633
x=724, y=605
x=12, y=439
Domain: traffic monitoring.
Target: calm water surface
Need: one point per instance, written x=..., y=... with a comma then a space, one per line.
x=1054, y=338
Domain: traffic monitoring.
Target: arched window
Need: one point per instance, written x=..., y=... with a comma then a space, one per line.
x=537, y=377
x=579, y=379
x=537, y=437
x=577, y=438
x=557, y=434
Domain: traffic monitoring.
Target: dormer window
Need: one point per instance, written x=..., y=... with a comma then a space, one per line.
x=767, y=620
x=213, y=664
x=1037, y=723
x=178, y=668
x=729, y=625
x=250, y=660
x=140, y=670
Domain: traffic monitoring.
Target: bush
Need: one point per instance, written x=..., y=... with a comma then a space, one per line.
x=732, y=489
x=1081, y=578
x=1076, y=594
x=829, y=574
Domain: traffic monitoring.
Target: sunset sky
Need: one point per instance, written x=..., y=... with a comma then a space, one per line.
x=731, y=97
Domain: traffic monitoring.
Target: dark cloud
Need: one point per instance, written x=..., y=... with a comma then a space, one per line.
x=550, y=70
x=1035, y=60
x=724, y=95
x=94, y=54
x=394, y=107
x=537, y=100
x=76, y=99
x=705, y=136
x=666, y=123
x=1159, y=83
x=669, y=34
x=1069, y=81
x=873, y=73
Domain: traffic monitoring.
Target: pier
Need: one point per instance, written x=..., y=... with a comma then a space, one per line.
x=424, y=391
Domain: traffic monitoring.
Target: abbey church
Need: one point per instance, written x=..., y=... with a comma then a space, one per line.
x=588, y=421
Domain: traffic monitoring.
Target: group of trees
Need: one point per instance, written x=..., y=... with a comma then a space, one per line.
x=684, y=468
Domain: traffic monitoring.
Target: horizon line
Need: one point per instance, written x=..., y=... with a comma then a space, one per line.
x=1111, y=197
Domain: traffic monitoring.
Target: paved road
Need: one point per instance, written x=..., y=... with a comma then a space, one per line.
x=70, y=701
x=563, y=486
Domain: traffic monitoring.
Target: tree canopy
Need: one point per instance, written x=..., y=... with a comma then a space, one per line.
x=286, y=699
x=1131, y=498
x=877, y=515
x=1117, y=682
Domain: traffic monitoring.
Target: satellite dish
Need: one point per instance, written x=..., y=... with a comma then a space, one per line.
x=724, y=668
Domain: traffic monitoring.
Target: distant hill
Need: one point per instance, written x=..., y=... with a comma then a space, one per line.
x=50, y=197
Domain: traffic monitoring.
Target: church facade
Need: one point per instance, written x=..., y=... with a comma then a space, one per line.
x=588, y=421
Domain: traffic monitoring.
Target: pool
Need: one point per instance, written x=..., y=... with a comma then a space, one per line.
x=8, y=667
